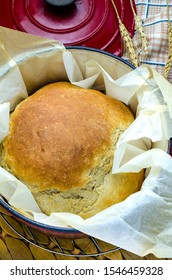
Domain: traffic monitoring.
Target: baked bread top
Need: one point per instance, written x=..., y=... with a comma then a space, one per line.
x=59, y=135
x=61, y=144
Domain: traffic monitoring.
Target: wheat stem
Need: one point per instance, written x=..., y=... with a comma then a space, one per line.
x=127, y=40
x=139, y=27
x=169, y=59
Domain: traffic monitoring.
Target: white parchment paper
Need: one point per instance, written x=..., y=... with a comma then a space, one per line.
x=142, y=223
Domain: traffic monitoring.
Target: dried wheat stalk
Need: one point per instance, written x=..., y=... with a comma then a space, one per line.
x=169, y=59
x=139, y=27
x=127, y=40
x=129, y=45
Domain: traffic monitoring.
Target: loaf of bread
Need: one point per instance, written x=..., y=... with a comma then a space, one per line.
x=61, y=144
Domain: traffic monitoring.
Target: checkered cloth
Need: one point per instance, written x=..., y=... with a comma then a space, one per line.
x=154, y=14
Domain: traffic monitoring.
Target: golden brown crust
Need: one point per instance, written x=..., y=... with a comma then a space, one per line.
x=61, y=144
x=57, y=133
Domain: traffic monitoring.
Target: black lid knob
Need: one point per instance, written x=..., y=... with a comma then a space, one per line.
x=60, y=3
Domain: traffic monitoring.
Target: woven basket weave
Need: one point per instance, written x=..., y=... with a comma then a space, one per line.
x=30, y=244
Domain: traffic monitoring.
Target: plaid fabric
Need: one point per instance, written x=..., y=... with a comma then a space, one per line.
x=154, y=14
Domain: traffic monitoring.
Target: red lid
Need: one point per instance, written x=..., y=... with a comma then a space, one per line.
x=85, y=23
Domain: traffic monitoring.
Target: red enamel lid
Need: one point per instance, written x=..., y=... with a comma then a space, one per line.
x=91, y=23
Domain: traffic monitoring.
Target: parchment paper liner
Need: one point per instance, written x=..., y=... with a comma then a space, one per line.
x=142, y=223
